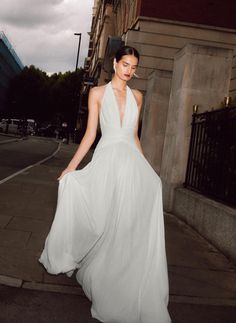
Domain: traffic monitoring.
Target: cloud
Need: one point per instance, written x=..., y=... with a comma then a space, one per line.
x=42, y=31
x=26, y=13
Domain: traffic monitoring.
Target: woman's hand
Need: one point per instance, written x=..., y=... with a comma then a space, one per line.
x=65, y=171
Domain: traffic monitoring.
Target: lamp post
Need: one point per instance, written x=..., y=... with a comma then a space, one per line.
x=76, y=68
x=77, y=58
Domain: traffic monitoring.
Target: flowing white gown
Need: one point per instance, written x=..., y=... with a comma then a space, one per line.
x=109, y=225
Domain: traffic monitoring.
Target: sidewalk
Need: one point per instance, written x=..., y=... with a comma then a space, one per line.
x=198, y=273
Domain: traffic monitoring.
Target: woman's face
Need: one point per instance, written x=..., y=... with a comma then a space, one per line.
x=126, y=67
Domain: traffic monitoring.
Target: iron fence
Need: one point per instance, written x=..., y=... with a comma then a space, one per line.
x=211, y=168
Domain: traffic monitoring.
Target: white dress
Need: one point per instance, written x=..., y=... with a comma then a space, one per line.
x=109, y=225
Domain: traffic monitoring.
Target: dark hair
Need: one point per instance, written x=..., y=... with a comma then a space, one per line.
x=126, y=50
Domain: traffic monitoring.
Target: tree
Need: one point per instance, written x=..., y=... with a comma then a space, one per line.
x=34, y=94
x=27, y=93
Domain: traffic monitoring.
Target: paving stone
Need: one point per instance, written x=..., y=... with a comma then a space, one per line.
x=13, y=238
x=22, y=264
x=27, y=224
x=216, y=301
x=4, y=220
x=189, y=286
x=36, y=241
x=34, y=211
x=186, y=248
x=222, y=279
x=54, y=288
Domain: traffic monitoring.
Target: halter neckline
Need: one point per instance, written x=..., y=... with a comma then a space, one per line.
x=121, y=121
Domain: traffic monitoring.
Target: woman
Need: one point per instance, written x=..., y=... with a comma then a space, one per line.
x=109, y=219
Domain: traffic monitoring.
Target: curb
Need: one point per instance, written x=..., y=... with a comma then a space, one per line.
x=196, y=300
x=65, y=289
x=19, y=283
x=10, y=281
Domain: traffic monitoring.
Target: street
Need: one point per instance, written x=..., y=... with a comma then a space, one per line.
x=202, y=280
x=20, y=154
x=27, y=306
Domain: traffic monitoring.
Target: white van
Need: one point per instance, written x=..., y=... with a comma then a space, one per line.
x=10, y=125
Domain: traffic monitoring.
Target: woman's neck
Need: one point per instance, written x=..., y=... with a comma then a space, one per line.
x=118, y=84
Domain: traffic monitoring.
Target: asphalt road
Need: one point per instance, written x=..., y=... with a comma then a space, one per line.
x=4, y=137
x=25, y=306
x=15, y=156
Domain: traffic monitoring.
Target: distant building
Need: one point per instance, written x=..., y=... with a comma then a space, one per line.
x=10, y=65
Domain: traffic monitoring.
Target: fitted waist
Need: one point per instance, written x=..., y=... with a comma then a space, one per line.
x=116, y=132
x=111, y=135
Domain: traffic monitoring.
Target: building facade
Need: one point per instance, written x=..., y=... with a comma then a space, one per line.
x=10, y=65
x=187, y=58
x=159, y=30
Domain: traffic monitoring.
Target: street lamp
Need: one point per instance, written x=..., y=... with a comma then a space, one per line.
x=77, y=58
x=76, y=68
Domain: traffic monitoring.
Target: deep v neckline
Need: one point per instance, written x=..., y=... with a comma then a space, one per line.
x=121, y=122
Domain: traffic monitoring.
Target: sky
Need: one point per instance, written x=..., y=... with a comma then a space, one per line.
x=42, y=31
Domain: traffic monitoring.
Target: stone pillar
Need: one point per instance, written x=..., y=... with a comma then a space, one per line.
x=155, y=116
x=201, y=76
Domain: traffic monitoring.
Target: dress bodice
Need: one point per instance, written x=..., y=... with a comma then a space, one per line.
x=111, y=126
x=110, y=115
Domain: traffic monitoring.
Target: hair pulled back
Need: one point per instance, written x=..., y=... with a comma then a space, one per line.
x=126, y=50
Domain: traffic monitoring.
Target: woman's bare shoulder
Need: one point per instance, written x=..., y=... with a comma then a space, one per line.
x=138, y=96
x=97, y=91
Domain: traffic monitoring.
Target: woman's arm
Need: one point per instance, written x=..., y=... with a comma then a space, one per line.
x=139, y=98
x=90, y=133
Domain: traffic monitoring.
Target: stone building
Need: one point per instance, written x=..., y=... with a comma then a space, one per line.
x=10, y=65
x=187, y=58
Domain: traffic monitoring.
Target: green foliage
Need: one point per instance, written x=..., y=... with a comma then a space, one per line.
x=34, y=94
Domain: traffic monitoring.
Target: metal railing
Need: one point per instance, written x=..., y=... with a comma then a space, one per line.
x=211, y=168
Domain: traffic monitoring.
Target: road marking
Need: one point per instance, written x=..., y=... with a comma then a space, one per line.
x=2, y=142
x=4, y=180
